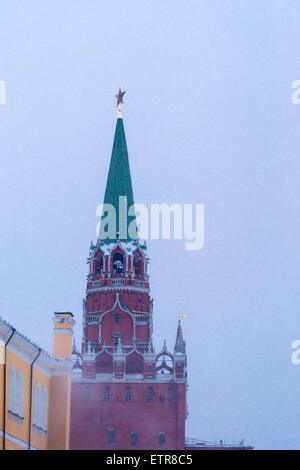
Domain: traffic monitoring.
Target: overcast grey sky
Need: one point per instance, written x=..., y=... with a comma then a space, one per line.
x=209, y=119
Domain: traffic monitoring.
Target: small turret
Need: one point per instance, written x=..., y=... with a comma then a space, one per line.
x=63, y=333
x=179, y=343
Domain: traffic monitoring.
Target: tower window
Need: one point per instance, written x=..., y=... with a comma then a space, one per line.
x=110, y=435
x=99, y=265
x=128, y=394
x=134, y=438
x=117, y=318
x=162, y=438
x=106, y=394
x=138, y=265
x=118, y=263
x=149, y=394
x=171, y=394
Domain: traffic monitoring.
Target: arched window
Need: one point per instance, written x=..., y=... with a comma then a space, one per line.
x=99, y=264
x=149, y=394
x=171, y=394
x=134, y=363
x=134, y=438
x=106, y=394
x=118, y=263
x=110, y=435
x=36, y=404
x=138, y=265
x=104, y=363
x=162, y=438
x=19, y=396
x=164, y=364
x=86, y=394
x=117, y=318
x=44, y=407
x=12, y=389
x=128, y=394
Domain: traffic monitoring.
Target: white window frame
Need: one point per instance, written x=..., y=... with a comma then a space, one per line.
x=36, y=404
x=44, y=408
x=19, y=394
x=12, y=389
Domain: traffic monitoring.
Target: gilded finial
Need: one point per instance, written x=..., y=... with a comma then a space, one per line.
x=119, y=97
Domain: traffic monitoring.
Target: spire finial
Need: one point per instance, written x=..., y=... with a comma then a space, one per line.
x=119, y=97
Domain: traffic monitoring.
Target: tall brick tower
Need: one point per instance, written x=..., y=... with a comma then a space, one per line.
x=124, y=394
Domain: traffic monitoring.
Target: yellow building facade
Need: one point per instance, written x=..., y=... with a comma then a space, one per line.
x=35, y=388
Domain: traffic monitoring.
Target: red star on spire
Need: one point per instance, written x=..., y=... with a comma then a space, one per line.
x=119, y=96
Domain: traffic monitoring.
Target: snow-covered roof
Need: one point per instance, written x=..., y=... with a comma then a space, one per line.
x=129, y=247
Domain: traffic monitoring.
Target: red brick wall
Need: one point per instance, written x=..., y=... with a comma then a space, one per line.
x=91, y=419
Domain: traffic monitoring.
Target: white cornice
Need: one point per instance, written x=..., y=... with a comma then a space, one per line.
x=5, y=331
x=146, y=290
x=23, y=347
x=63, y=331
x=62, y=367
x=45, y=364
x=28, y=351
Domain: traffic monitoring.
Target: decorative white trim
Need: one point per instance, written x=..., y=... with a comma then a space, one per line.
x=179, y=357
x=117, y=302
x=44, y=364
x=108, y=378
x=22, y=347
x=46, y=372
x=57, y=320
x=146, y=290
x=16, y=441
x=39, y=430
x=5, y=331
x=26, y=350
x=12, y=416
x=36, y=403
x=63, y=331
x=63, y=367
x=149, y=357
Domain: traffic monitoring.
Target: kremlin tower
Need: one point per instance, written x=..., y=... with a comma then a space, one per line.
x=124, y=394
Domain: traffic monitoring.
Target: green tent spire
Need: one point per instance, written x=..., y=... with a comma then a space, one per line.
x=119, y=193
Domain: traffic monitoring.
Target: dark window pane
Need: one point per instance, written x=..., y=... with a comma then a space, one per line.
x=86, y=394
x=118, y=263
x=106, y=394
x=134, y=438
x=110, y=436
x=171, y=394
x=128, y=394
